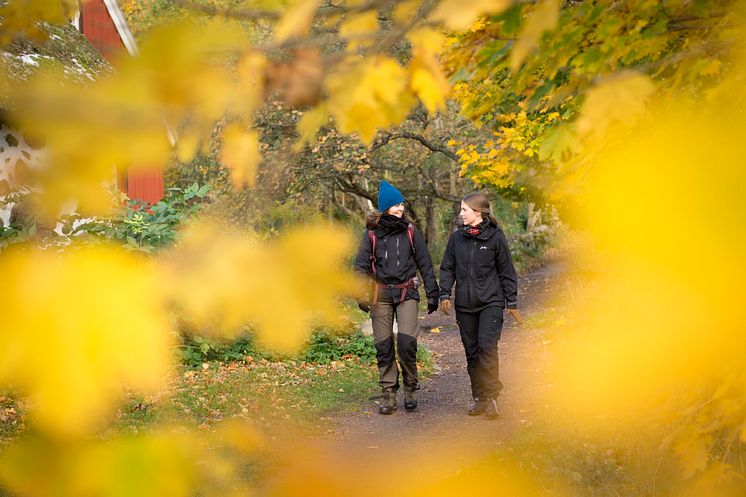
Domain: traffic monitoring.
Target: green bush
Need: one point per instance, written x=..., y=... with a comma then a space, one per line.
x=323, y=347
x=148, y=228
x=196, y=350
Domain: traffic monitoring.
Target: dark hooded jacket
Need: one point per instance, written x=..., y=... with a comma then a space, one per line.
x=481, y=267
x=395, y=263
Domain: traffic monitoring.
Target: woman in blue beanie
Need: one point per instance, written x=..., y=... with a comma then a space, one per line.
x=391, y=252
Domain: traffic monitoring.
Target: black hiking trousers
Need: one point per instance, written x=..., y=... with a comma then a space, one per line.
x=480, y=333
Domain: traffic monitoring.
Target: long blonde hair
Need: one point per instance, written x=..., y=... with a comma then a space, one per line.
x=480, y=203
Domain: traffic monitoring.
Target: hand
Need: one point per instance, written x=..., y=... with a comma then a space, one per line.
x=516, y=315
x=432, y=307
x=445, y=307
x=364, y=306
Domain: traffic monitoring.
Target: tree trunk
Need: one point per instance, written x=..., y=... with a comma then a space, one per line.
x=329, y=204
x=533, y=217
x=365, y=205
x=430, y=226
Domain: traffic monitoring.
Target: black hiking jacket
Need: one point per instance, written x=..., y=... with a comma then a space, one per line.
x=482, y=268
x=395, y=262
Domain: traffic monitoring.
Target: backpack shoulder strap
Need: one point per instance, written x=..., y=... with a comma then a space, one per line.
x=372, y=237
x=410, y=234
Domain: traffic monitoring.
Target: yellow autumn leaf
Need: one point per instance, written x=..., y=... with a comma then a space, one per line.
x=309, y=125
x=406, y=10
x=430, y=85
x=559, y=143
x=250, y=69
x=709, y=67
x=157, y=463
x=428, y=81
x=620, y=100
x=427, y=40
x=24, y=17
x=459, y=14
x=542, y=18
x=369, y=96
x=73, y=326
x=355, y=29
x=692, y=451
x=186, y=146
x=296, y=20
x=240, y=152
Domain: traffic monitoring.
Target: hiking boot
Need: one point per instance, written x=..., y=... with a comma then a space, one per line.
x=388, y=405
x=478, y=407
x=410, y=400
x=493, y=411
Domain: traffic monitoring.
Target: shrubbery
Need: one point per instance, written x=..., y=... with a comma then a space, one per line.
x=323, y=347
x=148, y=228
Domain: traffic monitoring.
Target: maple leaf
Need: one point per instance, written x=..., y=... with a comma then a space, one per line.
x=542, y=18
x=240, y=153
x=296, y=19
x=459, y=14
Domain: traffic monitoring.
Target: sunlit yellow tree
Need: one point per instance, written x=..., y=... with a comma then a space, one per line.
x=629, y=113
x=549, y=78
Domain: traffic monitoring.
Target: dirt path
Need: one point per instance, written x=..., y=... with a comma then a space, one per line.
x=440, y=424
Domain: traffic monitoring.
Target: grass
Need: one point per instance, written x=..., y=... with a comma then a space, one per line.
x=273, y=395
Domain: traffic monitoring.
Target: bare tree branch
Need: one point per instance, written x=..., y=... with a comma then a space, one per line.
x=245, y=14
x=386, y=138
x=232, y=12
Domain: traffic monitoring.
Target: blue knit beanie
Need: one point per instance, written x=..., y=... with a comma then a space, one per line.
x=388, y=196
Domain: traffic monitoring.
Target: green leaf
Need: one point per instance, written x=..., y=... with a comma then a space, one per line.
x=203, y=190
x=559, y=144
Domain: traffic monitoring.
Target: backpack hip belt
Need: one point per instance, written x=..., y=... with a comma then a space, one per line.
x=412, y=283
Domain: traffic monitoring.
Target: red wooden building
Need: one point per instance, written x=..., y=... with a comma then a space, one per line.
x=102, y=22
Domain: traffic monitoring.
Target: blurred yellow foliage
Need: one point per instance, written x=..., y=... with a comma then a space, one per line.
x=240, y=153
x=162, y=463
x=71, y=330
x=356, y=28
x=428, y=81
x=369, y=96
x=614, y=106
x=23, y=17
x=660, y=333
x=179, y=79
x=542, y=18
x=458, y=14
x=222, y=280
x=296, y=19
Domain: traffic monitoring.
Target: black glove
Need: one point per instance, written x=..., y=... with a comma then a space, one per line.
x=432, y=307
x=365, y=307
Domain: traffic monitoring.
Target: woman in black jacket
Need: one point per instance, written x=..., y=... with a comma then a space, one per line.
x=478, y=260
x=391, y=252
